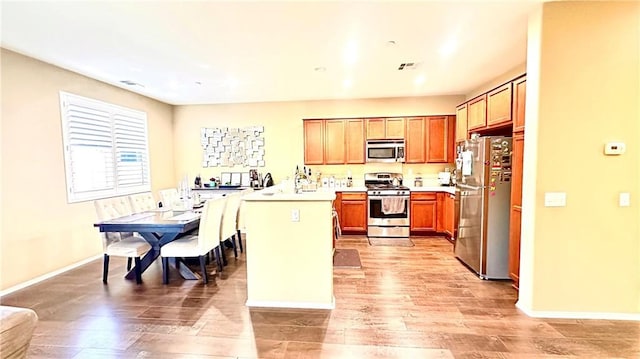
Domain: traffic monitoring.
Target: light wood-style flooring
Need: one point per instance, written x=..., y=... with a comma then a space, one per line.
x=405, y=302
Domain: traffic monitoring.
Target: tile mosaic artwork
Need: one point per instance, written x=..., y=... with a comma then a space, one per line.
x=229, y=146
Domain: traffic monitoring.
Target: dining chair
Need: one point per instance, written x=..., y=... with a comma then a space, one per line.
x=121, y=244
x=207, y=239
x=169, y=197
x=240, y=218
x=142, y=202
x=229, y=223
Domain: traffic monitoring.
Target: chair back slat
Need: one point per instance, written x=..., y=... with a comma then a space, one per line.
x=169, y=197
x=142, y=202
x=210, y=221
x=110, y=208
x=230, y=216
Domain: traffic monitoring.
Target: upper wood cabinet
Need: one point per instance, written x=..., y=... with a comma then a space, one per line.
x=461, y=123
x=415, y=151
x=385, y=128
x=477, y=112
x=499, y=105
x=314, y=142
x=355, y=140
x=334, y=142
x=519, y=99
x=438, y=141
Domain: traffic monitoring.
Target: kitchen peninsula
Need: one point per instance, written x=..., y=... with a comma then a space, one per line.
x=289, y=248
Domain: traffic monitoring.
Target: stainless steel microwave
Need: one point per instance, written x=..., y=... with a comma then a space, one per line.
x=385, y=151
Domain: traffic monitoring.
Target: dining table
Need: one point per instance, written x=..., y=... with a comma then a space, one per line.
x=157, y=227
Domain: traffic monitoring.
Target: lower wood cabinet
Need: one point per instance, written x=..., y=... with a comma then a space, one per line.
x=423, y=212
x=514, y=245
x=449, y=214
x=353, y=212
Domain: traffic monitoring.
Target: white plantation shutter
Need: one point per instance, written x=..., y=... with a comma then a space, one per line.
x=105, y=147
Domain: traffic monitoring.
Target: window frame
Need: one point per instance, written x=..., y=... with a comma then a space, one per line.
x=113, y=153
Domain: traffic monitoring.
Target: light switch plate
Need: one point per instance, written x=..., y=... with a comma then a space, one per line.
x=555, y=199
x=625, y=199
x=295, y=215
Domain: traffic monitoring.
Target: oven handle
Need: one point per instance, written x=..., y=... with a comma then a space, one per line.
x=381, y=197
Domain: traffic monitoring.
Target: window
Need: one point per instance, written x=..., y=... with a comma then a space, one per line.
x=106, y=150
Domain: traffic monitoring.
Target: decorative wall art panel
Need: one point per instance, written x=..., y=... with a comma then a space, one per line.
x=228, y=146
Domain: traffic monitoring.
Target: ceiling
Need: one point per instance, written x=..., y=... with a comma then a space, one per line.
x=228, y=52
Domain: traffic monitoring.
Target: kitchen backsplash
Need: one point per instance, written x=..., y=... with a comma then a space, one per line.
x=409, y=171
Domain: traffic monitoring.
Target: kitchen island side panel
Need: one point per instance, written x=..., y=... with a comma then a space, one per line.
x=289, y=262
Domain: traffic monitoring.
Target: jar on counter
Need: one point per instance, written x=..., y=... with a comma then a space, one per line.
x=417, y=182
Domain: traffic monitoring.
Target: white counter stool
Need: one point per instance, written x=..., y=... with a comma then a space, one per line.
x=240, y=218
x=122, y=244
x=200, y=245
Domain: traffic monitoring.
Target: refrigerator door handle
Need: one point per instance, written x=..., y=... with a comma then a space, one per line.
x=472, y=188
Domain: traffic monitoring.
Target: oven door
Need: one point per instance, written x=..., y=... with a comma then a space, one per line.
x=378, y=218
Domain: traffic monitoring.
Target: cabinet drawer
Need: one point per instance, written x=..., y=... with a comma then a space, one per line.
x=423, y=196
x=353, y=196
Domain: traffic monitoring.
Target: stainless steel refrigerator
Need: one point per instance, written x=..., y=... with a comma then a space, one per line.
x=483, y=178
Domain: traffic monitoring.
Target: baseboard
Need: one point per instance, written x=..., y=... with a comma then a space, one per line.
x=579, y=315
x=297, y=305
x=48, y=275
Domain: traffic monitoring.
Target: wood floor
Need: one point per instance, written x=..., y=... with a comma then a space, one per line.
x=405, y=302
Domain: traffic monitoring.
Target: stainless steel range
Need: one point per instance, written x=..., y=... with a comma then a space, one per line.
x=388, y=205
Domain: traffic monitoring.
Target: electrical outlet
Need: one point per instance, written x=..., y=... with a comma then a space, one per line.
x=295, y=215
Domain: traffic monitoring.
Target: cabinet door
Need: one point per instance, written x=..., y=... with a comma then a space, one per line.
x=354, y=216
x=516, y=208
x=516, y=169
x=416, y=140
x=499, y=105
x=477, y=116
x=423, y=211
x=423, y=216
x=394, y=128
x=449, y=215
x=440, y=209
x=314, y=142
x=451, y=139
x=437, y=144
x=461, y=123
x=355, y=140
x=375, y=128
x=514, y=245
x=519, y=97
x=334, y=142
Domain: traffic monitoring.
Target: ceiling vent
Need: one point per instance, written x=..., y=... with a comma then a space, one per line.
x=408, y=66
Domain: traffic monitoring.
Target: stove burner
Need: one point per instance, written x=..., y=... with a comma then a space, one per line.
x=386, y=186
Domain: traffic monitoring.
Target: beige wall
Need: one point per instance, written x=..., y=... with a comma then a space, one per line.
x=284, y=144
x=583, y=89
x=500, y=80
x=41, y=232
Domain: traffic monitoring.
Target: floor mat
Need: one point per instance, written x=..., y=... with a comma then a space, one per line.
x=347, y=258
x=392, y=242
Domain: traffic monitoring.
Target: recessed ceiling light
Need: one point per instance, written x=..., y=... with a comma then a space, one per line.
x=320, y=69
x=419, y=80
x=198, y=83
x=347, y=83
x=391, y=43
